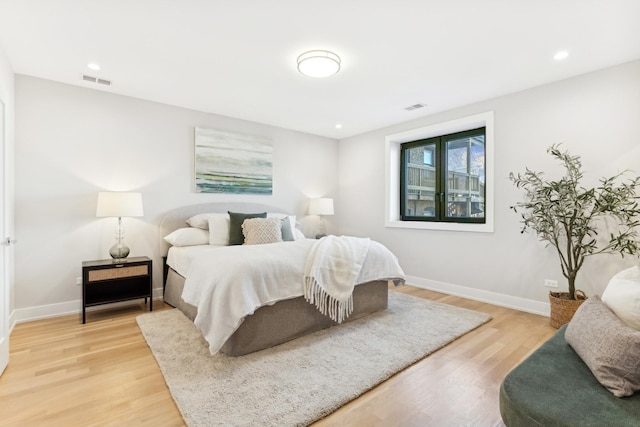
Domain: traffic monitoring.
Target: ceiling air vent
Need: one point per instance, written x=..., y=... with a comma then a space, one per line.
x=96, y=80
x=415, y=107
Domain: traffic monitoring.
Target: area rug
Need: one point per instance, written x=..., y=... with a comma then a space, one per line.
x=299, y=382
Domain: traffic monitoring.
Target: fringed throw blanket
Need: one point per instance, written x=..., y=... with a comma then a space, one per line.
x=331, y=270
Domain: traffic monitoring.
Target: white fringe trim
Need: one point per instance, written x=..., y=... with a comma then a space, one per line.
x=326, y=304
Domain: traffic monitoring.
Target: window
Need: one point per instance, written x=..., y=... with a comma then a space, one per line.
x=394, y=214
x=443, y=178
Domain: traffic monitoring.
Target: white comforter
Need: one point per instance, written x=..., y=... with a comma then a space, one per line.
x=229, y=283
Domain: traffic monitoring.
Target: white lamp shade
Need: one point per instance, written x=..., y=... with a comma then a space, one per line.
x=119, y=204
x=322, y=206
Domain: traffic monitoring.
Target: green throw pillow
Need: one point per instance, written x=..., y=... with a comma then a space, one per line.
x=235, y=225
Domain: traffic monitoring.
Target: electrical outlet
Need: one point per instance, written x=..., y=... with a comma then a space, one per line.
x=551, y=283
x=78, y=281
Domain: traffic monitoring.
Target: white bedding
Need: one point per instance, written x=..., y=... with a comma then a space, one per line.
x=179, y=258
x=228, y=283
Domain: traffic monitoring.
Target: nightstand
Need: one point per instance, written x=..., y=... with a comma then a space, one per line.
x=108, y=280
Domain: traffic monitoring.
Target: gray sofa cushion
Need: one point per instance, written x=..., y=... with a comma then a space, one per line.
x=609, y=347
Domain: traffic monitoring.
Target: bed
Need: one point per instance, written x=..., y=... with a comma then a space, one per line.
x=264, y=325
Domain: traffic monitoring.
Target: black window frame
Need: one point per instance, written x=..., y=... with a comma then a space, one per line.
x=440, y=161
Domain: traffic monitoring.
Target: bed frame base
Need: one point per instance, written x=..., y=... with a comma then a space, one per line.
x=286, y=320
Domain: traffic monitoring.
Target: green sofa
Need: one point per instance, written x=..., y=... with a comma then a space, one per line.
x=553, y=387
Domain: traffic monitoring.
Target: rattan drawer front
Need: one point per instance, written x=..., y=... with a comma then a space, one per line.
x=117, y=273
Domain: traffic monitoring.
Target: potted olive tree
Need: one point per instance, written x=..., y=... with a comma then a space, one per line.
x=569, y=217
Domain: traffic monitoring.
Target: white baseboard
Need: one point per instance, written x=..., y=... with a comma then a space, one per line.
x=46, y=311
x=29, y=314
x=508, y=301
x=536, y=307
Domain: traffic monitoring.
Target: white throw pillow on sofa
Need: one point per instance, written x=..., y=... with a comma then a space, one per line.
x=622, y=296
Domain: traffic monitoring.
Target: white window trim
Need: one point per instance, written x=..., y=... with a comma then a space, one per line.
x=392, y=172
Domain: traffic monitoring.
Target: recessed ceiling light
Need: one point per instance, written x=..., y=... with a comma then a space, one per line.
x=338, y=126
x=318, y=63
x=559, y=56
x=93, y=66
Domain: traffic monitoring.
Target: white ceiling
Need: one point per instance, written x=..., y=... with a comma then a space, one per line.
x=238, y=58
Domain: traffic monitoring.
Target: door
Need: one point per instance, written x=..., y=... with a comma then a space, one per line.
x=4, y=253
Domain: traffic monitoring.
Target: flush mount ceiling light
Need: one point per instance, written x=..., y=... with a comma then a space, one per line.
x=93, y=66
x=318, y=63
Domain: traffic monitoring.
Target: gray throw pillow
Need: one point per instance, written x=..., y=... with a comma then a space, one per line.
x=607, y=346
x=235, y=225
x=287, y=232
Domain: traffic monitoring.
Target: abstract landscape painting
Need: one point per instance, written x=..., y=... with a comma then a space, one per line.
x=228, y=162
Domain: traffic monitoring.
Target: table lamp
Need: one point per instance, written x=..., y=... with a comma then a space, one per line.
x=119, y=204
x=321, y=207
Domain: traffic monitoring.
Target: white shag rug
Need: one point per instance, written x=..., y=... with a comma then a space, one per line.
x=299, y=382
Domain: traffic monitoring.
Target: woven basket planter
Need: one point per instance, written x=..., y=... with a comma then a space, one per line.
x=563, y=308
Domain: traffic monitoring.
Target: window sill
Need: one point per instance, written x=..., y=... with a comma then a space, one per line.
x=443, y=226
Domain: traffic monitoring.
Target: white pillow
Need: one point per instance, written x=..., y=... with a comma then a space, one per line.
x=188, y=236
x=218, y=229
x=298, y=235
x=259, y=231
x=622, y=296
x=199, y=221
x=202, y=220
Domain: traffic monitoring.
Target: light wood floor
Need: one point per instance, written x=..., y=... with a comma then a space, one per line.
x=63, y=373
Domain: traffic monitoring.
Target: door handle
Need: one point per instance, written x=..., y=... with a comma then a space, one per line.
x=8, y=241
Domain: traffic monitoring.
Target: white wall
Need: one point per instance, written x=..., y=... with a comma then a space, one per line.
x=594, y=115
x=72, y=142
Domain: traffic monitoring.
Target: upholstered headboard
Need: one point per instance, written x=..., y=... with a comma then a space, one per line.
x=176, y=218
